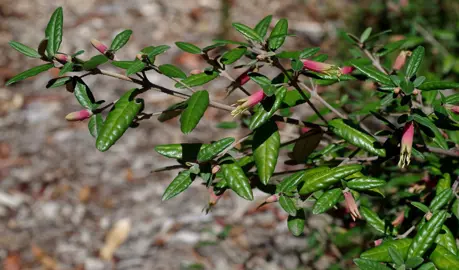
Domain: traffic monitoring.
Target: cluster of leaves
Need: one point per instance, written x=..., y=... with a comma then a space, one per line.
x=353, y=160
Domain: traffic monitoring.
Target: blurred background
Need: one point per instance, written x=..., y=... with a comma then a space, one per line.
x=60, y=198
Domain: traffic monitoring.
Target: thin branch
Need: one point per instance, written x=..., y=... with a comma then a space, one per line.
x=374, y=61
x=430, y=38
x=226, y=75
x=323, y=101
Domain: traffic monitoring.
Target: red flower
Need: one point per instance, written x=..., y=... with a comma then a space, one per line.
x=406, y=145
x=248, y=102
x=79, y=115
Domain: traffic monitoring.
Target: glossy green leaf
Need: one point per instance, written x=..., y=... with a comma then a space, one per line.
x=427, y=266
x=438, y=85
x=277, y=36
x=119, y=119
x=56, y=82
x=237, y=181
x=233, y=55
x=427, y=234
x=123, y=64
x=452, y=99
x=53, y=32
x=264, y=82
x=196, y=107
x=288, y=204
x=95, y=124
x=83, y=95
x=292, y=181
x=180, y=183
x=247, y=32
x=95, y=61
x=188, y=47
x=365, y=34
x=29, y=73
x=390, y=47
x=68, y=67
x=396, y=256
x=370, y=265
x=172, y=111
x=198, y=79
x=296, y=223
x=307, y=143
x=356, y=137
x=421, y=206
x=426, y=122
x=208, y=152
x=137, y=66
x=185, y=151
x=120, y=40
x=328, y=199
x=294, y=98
x=172, y=71
x=381, y=253
x=441, y=199
x=263, y=114
x=443, y=259
x=415, y=61
x=443, y=184
x=266, y=144
x=157, y=51
x=373, y=73
x=447, y=240
x=327, y=178
x=372, y=219
x=364, y=183
x=306, y=53
x=414, y=262
x=25, y=50
x=262, y=27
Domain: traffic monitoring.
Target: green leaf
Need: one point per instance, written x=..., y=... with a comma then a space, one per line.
x=53, y=32
x=421, y=206
x=396, y=256
x=29, y=73
x=264, y=82
x=447, y=240
x=292, y=181
x=185, y=151
x=227, y=125
x=198, y=79
x=123, y=64
x=427, y=234
x=306, y=53
x=25, y=50
x=56, y=82
x=370, y=265
x=452, y=99
x=325, y=179
x=263, y=114
x=266, y=144
x=120, y=40
x=418, y=81
x=373, y=73
x=136, y=67
x=365, y=35
x=94, y=62
x=172, y=71
x=188, y=47
x=277, y=36
x=157, y=51
x=180, y=183
x=372, y=218
x=83, y=95
x=262, y=27
x=95, y=124
x=247, y=32
x=288, y=204
x=209, y=152
x=427, y=266
x=328, y=199
x=224, y=42
x=296, y=223
x=443, y=259
x=364, y=183
x=297, y=65
x=442, y=199
x=356, y=137
x=443, y=183
x=66, y=68
x=197, y=105
x=306, y=144
x=381, y=252
x=414, y=262
x=390, y=47
x=118, y=120
x=438, y=85
x=415, y=61
x=233, y=55
x=237, y=181
x=426, y=122
x=294, y=98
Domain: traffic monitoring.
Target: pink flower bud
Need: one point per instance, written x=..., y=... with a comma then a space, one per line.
x=397, y=90
x=215, y=169
x=399, y=219
x=378, y=242
x=248, y=102
x=455, y=109
x=243, y=78
x=272, y=198
x=62, y=58
x=347, y=69
x=304, y=130
x=102, y=48
x=321, y=67
x=79, y=115
x=406, y=145
x=351, y=205
x=400, y=60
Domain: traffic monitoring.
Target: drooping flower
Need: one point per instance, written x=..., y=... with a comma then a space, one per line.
x=453, y=108
x=347, y=69
x=102, y=48
x=400, y=60
x=399, y=219
x=406, y=145
x=248, y=102
x=321, y=67
x=351, y=205
x=62, y=58
x=78, y=115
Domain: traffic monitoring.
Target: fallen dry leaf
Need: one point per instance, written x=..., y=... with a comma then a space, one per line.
x=45, y=260
x=115, y=237
x=12, y=261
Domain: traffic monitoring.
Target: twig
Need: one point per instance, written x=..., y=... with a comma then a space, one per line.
x=430, y=38
x=405, y=235
x=323, y=101
x=375, y=61
x=226, y=75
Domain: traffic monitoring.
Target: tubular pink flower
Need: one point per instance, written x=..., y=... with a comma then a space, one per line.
x=400, y=60
x=248, y=102
x=321, y=67
x=378, y=242
x=62, y=58
x=79, y=115
x=347, y=69
x=351, y=205
x=272, y=198
x=455, y=109
x=399, y=219
x=406, y=145
x=243, y=78
x=102, y=48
